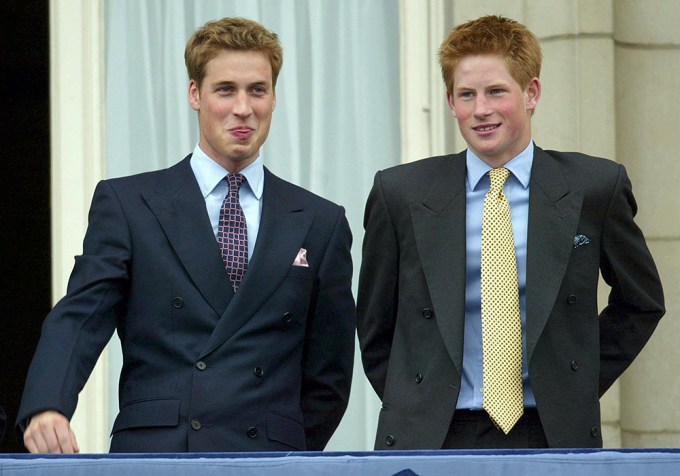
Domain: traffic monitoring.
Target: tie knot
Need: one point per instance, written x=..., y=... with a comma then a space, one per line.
x=235, y=181
x=498, y=178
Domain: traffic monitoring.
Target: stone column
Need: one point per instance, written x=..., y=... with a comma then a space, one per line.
x=647, y=58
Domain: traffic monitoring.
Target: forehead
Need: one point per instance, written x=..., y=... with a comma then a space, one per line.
x=239, y=66
x=481, y=69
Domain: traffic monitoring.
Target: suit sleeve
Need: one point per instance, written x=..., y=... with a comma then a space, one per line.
x=636, y=301
x=328, y=357
x=75, y=332
x=377, y=296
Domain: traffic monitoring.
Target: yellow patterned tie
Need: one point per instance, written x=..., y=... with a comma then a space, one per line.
x=501, y=324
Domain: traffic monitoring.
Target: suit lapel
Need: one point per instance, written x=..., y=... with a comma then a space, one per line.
x=283, y=227
x=439, y=228
x=554, y=212
x=180, y=209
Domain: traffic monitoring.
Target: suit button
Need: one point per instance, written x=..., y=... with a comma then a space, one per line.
x=574, y=365
x=200, y=365
x=428, y=313
x=196, y=425
x=390, y=441
x=252, y=432
x=594, y=431
x=258, y=372
x=571, y=299
x=287, y=318
x=419, y=377
x=178, y=302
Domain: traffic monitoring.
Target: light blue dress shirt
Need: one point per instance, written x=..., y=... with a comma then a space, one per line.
x=516, y=189
x=210, y=176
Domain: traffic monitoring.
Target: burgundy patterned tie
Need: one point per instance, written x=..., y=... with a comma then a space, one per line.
x=232, y=234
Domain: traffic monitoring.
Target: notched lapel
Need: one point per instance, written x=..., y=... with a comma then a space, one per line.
x=180, y=209
x=554, y=212
x=439, y=228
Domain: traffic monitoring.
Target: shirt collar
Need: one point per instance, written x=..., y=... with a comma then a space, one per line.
x=519, y=166
x=209, y=173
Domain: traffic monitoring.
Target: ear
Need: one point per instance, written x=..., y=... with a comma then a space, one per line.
x=194, y=96
x=533, y=93
x=449, y=100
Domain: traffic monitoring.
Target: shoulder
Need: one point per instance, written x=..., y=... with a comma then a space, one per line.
x=576, y=161
x=423, y=168
x=163, y=179
x=278, y=189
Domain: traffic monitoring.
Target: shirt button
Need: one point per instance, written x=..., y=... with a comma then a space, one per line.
x=200, y=365
x=178, y=302
x=196, y=425
x=258, y=372
x=428, y=313
x=252, y=432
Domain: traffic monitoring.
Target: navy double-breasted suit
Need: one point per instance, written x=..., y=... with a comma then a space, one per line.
x=204, y=369
x=411, y=301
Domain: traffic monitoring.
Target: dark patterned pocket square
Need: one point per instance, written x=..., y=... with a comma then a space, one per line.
x=580, y=240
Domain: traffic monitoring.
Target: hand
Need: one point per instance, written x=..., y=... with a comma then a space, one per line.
x=50, y=432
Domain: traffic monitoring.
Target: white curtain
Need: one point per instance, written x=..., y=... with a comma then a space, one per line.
x=336, y=121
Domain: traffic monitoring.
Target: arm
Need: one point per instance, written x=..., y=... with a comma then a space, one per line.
x=636, y=301
x=328, y=357
x=80, y=325
x=377, y=297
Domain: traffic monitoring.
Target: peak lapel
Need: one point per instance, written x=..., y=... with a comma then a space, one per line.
x=554, y=211
x=180, y=209
x=439, y=227
x=283, y=227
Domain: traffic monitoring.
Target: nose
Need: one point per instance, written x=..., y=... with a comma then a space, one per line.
x=482, y=106
x=242, y=105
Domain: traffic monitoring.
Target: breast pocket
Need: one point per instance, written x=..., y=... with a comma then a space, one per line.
x=300, y=272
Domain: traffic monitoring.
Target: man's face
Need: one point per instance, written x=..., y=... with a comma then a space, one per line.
x=492, y=109
x=234, y=105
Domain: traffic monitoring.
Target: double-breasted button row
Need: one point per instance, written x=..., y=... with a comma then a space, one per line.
x=177, y=302
x=252, y=431
x=428, y=313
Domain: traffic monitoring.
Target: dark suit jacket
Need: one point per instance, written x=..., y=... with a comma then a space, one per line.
x=204, y=369
x=411, y=301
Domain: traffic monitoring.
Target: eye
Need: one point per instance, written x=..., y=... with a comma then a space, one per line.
x=225, y=89
x=496, y=91
x=465, y=94
x=259, y=90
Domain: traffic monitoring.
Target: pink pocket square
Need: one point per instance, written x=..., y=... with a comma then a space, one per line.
x=301, y=259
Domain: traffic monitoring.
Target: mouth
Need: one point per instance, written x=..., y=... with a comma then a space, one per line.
x=486, y=127
x=241, y=132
